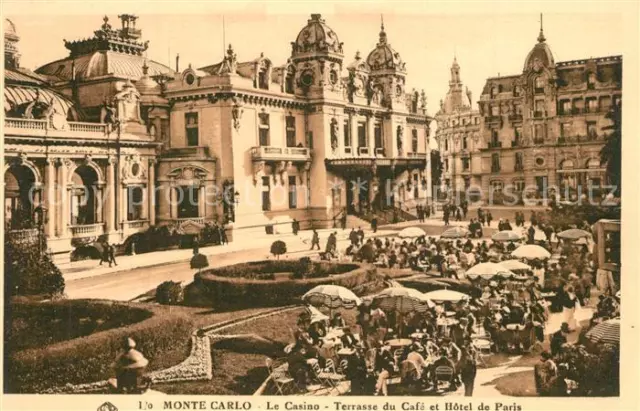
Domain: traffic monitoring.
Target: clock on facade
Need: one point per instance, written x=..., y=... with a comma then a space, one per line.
x=190, y=79
x=306, y=78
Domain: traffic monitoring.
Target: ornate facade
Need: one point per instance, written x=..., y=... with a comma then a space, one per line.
x=544, y=128
x=113, y=143
x=81, y=141
x=458, y=136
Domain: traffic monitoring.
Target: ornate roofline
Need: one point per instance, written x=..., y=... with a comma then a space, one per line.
x=124, y=40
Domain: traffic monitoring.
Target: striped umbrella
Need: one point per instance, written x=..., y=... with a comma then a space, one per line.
x=488, y=271
x=607, y=332
x=331, y=297
x=531, y=252
x=402, y=300
x=446, y=295
x=515, y=265
x=573, y=234
x=506, y=235
x=455, y=232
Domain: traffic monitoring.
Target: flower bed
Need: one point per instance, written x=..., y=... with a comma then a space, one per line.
x=163, y=337
x=244, y=285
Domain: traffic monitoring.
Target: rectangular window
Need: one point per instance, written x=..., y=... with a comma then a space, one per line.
x=565, y=107
x=465, y=164
x=465, y=143
x=263, y=80
x=592, y=129
x=288, y=86
x=263, y=129
x=191, y=126
x=467, y=183
x=517, y=135
x=291, y=131
x=495, y=162
x=592, y=105
x=565, y=130
x=605, y=104
x=446, y=144
x=346, y=128
x=539, y=108
x=362, y=134
x=446, y=164
x=134, y=203
x=414, y=140
x=519, y=162
x=378, y=135
x=188, y=197
x=497, y=186
x=266, y=193
x=538, y=133
x=293, y=192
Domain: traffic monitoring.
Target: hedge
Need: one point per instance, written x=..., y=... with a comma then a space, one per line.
x=234, y=291
x=88, y=359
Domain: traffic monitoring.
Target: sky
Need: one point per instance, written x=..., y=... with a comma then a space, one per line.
x=487, y=39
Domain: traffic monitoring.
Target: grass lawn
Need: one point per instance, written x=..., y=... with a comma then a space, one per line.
x=518, y=384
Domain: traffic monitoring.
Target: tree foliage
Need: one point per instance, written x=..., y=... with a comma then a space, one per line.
x=436, y=168
x=199, y=261
x=30, y=271
x=278, y=248
x=611, y=152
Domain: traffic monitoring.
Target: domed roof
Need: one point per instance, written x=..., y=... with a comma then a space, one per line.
x=358, y=63
x=10, y=30
x=146, y=85
x=384, y=57
x=316, y=36
x=540, y=56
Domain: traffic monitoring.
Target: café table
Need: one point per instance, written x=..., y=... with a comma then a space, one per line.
x=399, y=343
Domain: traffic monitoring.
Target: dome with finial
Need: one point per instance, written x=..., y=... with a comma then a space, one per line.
x=384, y=57
x=358, y=63
x=316, y=37
x=540, y=56
x=146, y=85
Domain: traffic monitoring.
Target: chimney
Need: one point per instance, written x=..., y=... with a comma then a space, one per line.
x=177, y=63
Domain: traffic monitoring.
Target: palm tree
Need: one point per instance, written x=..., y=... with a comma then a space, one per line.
x=611, y=152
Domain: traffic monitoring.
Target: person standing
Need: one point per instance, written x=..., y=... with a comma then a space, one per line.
x=558, y=339
x=112, y=255
x=104, y=255
x=468, y=370
x=570, y=301
x=315, y=240
x=374, y=224
x=223, y=235
x=343, y=219
x=196, y=245
x=489, y=218
x=360, y=235
x=295, y=226
x=428, y=212
x=445, y=216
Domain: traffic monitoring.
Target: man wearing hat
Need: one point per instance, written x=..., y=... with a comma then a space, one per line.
x=559, y=338
x=416, y=356
x=337, y=321
x=348, y=339
x=129, y=367
x=444, y=361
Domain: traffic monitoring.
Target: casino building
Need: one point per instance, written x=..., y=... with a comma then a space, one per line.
x=112, y=143
x=540, y=128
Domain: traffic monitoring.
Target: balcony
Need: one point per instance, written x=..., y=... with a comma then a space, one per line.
x=538, y=114
x=416, y=155
x=87, y=230
x=379, y=152
x=135, y=225
x=188, y=152
x=578, y=139
x=495, y=144
x=515, y=117
x=270, y=153
x=42, y=128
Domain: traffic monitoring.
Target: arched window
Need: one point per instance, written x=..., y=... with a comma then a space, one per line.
x=567, y=165
x=414, y=140
x=593, y=163
x=539, y=85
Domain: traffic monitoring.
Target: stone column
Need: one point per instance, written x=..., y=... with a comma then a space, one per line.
x=340, y=136
x=354, y=134
x=65, y=207
x=201, y=201
x=111, y=196
x=50, y=188
x=151, y=196
x=371, y=139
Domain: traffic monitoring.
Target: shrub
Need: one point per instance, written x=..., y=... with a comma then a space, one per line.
x=28, y=271
x=278, y=248
x=88, y=359
x=241, y=286
x=169, y=293
x=199, y=261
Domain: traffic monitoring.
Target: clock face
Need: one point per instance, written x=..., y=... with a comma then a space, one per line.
x=307, y=78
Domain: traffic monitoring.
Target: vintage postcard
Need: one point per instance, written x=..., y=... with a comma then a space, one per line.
x=349, y=206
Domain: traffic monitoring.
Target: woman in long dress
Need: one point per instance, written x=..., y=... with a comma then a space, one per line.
x=569, y=308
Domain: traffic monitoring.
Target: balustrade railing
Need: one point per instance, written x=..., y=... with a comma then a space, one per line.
x=87, y=229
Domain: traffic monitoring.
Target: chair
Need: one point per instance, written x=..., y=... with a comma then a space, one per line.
x=281, y=380
x=483, y=347
x=397, y=355
x=326, y=377
x=444, y=373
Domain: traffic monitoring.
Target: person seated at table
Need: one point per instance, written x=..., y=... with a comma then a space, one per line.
x=356, y=372
x=337, y=321
x=453, y=351
x=459, y=332
x=348, y=339
x=444, y=360
x=298, y=367
x=301, y=335
x=416, y=356
x=317, y=331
